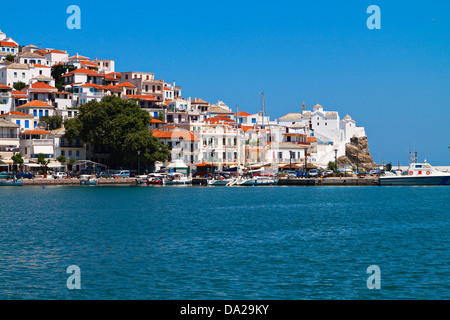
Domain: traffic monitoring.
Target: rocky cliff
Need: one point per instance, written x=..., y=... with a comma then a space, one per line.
x=357, y=154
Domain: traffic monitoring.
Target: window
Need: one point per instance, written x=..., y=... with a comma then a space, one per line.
x=253, y=120
x=35, y=124
x=126, y=77
x=63, y=153
x=27, y=124
x=35, y=113
x=78, y=153
x=70, y=153
x=46, y=112
x=15, y=74
x=18, y=122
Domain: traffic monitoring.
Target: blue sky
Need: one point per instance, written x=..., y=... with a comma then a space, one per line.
x=395, y=81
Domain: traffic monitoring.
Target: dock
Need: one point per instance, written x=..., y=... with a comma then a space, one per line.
x=341, y=181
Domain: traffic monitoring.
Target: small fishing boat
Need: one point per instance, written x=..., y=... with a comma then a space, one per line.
x=88, y=181
x=418, y=174
x=257, y=181
x=177, y=178
x=8, y=179
x=154, y=179
x=220, y=179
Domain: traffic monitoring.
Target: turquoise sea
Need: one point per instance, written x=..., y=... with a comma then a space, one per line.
x=224, y=243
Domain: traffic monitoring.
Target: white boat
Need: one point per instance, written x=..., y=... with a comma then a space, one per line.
x=257, y=181
x=220, y=179
x=87, y=180
x=418, y=174
x=177, y=178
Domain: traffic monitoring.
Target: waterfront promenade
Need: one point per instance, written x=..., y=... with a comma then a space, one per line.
x=344, y=181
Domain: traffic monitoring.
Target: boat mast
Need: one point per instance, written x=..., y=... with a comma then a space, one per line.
x=263, y=102
x=237, y=142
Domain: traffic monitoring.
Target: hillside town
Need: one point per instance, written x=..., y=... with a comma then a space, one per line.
x=195, y=131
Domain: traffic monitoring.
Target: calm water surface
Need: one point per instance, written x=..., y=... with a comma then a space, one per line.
x=224, y=243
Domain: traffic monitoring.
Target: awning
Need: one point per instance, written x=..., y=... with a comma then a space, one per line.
x=32, y=165
x=55, y=165
x=43, y=149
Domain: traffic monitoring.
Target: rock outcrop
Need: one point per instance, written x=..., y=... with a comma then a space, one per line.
x=357, y=154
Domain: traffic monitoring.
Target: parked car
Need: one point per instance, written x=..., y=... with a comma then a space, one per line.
x=105, y=174
x=122, y=174
x=25, y=175
x=73, y=174
x=328, y=173
x=292, y=174
x=313, y=173
x=57, y=175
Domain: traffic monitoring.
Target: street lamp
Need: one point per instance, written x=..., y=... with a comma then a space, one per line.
x=306, y=159
x=335, y=159
x=139, y=162
x=290, y=159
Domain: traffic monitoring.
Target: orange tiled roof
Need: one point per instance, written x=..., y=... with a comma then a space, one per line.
x=17, y=113
x=185, y=135
x=126, y=84
x=4, y=87
x=7, y=44
x=248, y=128
x=40, y=66
x=35, y=103
x=84, y=71
x=218, y=119
x=41, y=85
x=242, y=113
x=36, y=132
x=311, y=139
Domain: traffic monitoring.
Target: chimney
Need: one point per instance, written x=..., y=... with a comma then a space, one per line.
x=303, y=106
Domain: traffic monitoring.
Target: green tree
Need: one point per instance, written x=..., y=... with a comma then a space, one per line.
x=331, y=166
x=119, y=125
x=53, y=122
x=58, y=71
x=18, y=159
x=19, y=85
x=10, y=57
x=160, y=116
x=42, y=161
x=61, y=159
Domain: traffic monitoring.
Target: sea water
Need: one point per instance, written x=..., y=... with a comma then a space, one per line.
x=224, y=243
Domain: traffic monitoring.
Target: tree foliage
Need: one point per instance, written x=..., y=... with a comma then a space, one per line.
x=121, y=126
x=61, y=159
x=19, y=85
x=58, y=71
x=53, y=122
x=331, y=166
x=10, y=57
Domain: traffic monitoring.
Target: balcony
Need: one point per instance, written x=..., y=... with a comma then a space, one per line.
x=8, y=136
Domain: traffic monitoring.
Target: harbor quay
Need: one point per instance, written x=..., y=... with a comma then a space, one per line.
x=343, y=181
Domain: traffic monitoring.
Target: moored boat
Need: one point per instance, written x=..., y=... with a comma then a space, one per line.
x=418, y=174
x=177, y=178
x=88, y=181
x=8, y=179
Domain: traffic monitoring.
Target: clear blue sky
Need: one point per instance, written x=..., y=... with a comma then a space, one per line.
x=395, y=81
